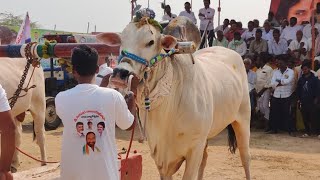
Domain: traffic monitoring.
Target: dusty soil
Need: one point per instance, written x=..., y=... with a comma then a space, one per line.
x=274, y=157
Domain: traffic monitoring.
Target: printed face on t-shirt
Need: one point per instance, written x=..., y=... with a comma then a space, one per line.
x=91, y=139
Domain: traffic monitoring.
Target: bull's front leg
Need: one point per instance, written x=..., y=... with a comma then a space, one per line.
x=15, y=159
x=193, y=161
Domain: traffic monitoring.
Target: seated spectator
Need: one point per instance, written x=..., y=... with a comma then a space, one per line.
x=272, y=20
x=168, y=16
x=298, y=48
x=289, y=33
x=239, y=26
x=258, y=45
x=252, y=79
x=256, y=23
x=307, y=28
x=221, y=40
x=232, y=30
x=188, y=13
x=317, y=41
x=307, y=96
x=224, y=28
x=267, y=32
x=238, y=45
x=284, y=24
x=278, y=45
x=249, y=34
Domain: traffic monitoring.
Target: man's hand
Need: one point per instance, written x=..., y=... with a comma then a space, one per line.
x=6, y=176
x=200, y=14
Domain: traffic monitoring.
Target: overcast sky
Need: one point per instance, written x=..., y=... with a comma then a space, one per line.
x=113, y=15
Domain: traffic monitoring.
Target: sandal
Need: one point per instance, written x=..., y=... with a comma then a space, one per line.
x=305, y=136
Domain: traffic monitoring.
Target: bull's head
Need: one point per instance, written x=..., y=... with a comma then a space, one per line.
x=139, y=43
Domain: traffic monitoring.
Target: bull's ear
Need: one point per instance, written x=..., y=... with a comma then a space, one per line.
x=168, y=42
x=111, y=39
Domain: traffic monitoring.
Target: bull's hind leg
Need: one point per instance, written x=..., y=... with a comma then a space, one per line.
x=38, y=114
x=193, y=161
x=242, y=131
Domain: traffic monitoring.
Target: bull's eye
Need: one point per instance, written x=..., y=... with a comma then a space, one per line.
x=150, y=43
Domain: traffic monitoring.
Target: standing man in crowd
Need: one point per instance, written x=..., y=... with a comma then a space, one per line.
x=307, y=88
x=188, y=13
x=168, y=16
x=298, y=47
x=278, y=45
x=263, y=84
x=252, y=79
x=206, y=16
x=101, y=105
x=281, y=82
x=7, y=132
x=272, y=20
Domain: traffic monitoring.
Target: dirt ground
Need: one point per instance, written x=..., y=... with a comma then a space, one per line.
x=274, y=157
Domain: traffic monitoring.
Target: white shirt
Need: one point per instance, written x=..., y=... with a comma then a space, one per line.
x=307, y=30
x=268, y=36
x=294, y=44
x=82, y=159
x=190, y=15
x=278, y=48
x=209, y=14
x=287, y=81
x=4, y=104
x=264, y=76
x=240, y=49
x=252, y=79
x=248, y=34
x=166, y=17
x=220, y=28
x=289, y=33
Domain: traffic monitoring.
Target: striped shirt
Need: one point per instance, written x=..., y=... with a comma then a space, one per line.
x=287, y=81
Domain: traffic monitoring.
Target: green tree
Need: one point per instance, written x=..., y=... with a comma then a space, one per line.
x=9, y=19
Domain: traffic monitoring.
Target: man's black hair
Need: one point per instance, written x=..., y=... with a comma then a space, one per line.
x=259, y=31
x=265, y=57
x=276, y=31
x=306, y=63
x=79, y=123
x=236, y=33
x=89, y=122
x=102, y=124
x=187, y=3
x=90, y=133
x=84, y=60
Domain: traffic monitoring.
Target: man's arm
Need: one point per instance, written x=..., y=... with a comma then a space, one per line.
x=7, y=130
x=270, y=47
x=264, y=46
x=289, y=79
x=124, y=113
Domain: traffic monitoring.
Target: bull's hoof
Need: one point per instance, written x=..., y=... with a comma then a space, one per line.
x=13, y=169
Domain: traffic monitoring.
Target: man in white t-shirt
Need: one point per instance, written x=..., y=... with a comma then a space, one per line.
x=188, y=13
x=206, y=16
x=7, y=131
x=168, y=16
x=249, y=35
x=89, y=152
x=289, y=33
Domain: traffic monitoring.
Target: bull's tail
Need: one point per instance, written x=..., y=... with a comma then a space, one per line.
x=34, y=132
x=232, y=140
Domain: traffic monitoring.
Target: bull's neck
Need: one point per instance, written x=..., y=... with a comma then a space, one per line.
x=158, y=72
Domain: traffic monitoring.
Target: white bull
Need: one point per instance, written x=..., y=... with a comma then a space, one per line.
x=190, y=103
x=11, y=70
